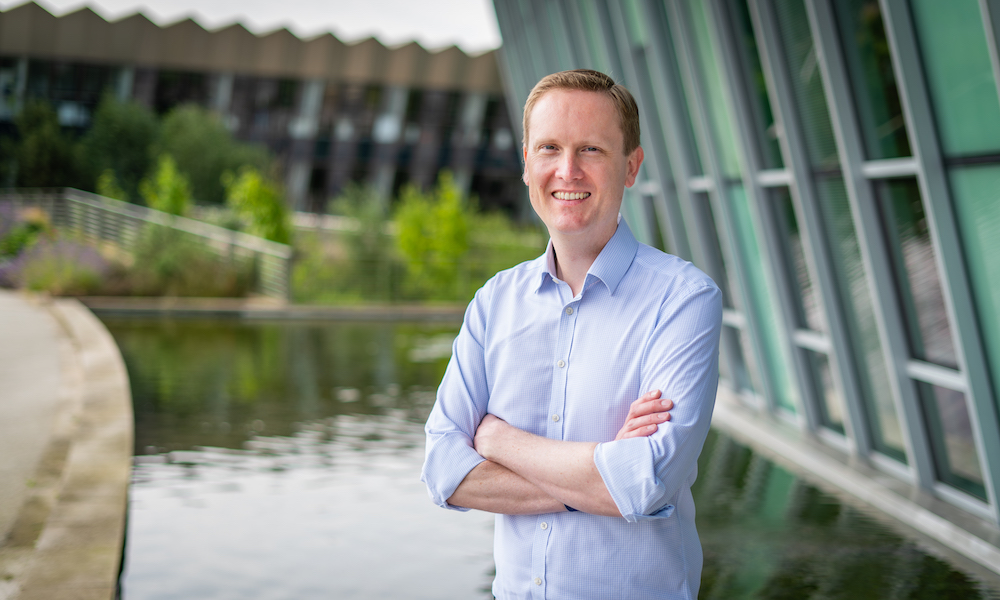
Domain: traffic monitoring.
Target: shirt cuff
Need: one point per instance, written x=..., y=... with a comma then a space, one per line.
x=629, y=473
x=448, y=459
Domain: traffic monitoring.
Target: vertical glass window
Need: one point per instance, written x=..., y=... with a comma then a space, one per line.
x=959, y=75
x=977, y=205
x=717, y=112
x=809, y=311
x=869, y=66
x=831, y=404
x=777, y=361
x=766, y=130
x=717, y=267
x=807, y=83
x=955, y=456
x=917, y=279
x=852, y=285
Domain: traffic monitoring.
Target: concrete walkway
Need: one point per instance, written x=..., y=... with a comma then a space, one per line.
x=65, y=451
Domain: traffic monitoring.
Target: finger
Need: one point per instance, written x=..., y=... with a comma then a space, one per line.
x=642, y=404
x=644, y=431
x=651, y=406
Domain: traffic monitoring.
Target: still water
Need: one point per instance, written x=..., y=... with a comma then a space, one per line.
x=282, y=460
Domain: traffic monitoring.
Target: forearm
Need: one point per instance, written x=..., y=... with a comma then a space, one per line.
x=494, y=488
x=562, y=470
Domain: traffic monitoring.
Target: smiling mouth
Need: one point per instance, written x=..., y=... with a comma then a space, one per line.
x=571, y=195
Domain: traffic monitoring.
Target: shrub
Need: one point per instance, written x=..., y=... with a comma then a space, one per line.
x=258, y=203
x=433, y=235
x=59, y=267
x=168, y=190
x=168, y=262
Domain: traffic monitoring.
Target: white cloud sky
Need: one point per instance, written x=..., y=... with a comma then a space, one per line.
x=470, y=24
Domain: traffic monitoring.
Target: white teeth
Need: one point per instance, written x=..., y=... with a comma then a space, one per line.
x=570, y=195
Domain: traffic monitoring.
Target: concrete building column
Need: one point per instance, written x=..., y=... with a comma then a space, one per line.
x=302, y=129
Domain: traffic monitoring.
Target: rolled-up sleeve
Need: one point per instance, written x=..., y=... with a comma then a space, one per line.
x=644, y=475
x=461, y=403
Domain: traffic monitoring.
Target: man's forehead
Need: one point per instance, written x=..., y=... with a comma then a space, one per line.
x=568, y=100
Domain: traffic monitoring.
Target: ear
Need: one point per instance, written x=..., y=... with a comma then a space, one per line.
x=632, y=168
x=524, y=164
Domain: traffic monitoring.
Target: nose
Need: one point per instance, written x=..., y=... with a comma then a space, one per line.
x=569, y=167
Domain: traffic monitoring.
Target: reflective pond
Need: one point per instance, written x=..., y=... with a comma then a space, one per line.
x=282, y=460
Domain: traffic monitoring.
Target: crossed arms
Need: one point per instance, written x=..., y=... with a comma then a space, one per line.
x=530, y=474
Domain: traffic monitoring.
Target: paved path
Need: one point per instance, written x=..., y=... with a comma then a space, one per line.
x=65, y=451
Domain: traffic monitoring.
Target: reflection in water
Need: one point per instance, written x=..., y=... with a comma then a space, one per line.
x=282, y=461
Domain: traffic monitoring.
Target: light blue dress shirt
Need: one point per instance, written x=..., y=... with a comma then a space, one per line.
x=568, y=368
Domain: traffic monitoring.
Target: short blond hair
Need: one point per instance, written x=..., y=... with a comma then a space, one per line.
x=587, y=80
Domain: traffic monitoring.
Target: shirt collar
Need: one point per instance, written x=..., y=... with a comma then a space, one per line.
x=610, y=265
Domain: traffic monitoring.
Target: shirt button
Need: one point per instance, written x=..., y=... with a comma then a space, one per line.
x=555, y=418
x=561, y=363
x=538, y=581
x=545, y=525
x=569, y=310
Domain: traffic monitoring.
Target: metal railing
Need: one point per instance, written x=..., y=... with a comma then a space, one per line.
x=98, y=219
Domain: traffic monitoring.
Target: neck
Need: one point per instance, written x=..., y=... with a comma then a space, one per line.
x=573, y=258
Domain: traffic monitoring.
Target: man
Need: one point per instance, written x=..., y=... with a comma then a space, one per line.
x=534, y=419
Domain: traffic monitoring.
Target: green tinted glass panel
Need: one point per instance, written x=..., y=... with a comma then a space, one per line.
x=777, y=360
x=831, y=404
x=955, y=457
x=765, y=129
x=977, y=205
x=594, y=36
x=712, y=247
x=852, y=285
x=873, y=82
x=808, y=310
x=635, y=22
x=807, y=83
x=719, y=118
x=959, y=75
x=909, y=246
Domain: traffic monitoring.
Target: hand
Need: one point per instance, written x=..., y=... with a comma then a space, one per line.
x=645, y=415
x=487, y=435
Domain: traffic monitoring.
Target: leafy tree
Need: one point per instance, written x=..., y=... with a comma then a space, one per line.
x=168, y=190
x=44, y=155
x=258, y=202
x=204, y=150
x=121, y=139
x=433, y=234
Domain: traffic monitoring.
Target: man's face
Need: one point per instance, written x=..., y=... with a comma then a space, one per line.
x=574, y=165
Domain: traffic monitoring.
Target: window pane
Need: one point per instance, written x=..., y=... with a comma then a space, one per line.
x=807, y=84
x=765, y=129
x=852, y=285
x=715, y=100
x=808, y=308
x=955, y=455
x=959, y=75
x=977, y=205
x=830, y=403
x=909, y=245
x=716, y=268
x=777, y=360
x=869, y=67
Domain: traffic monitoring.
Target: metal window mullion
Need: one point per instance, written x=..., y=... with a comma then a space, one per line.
x=577, y=35
x=565, y=54
x=878, y=272
x=816, y=244
x=657, y=161
x=844, y=121
x=680, y=23
x=761, y=214
x=990, y=10
x=956, y=288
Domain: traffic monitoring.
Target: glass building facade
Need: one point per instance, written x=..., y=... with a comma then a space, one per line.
x=835, y=167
